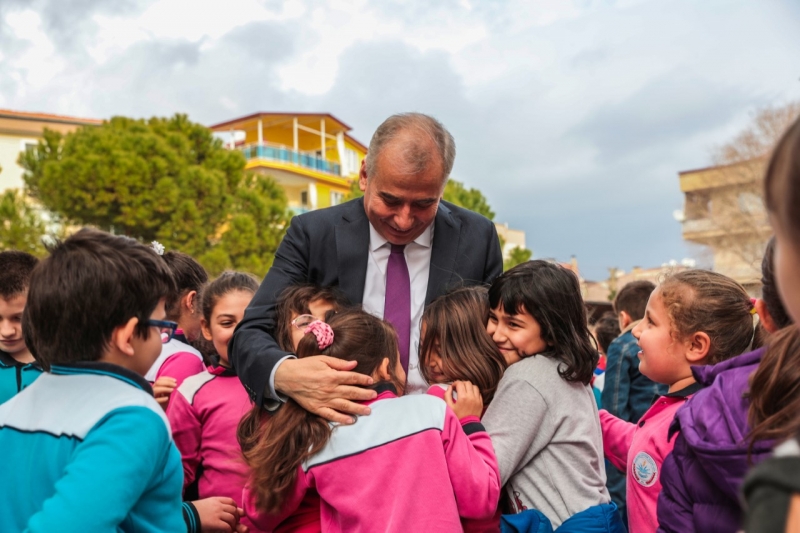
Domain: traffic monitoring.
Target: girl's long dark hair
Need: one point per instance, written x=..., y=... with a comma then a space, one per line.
x=775, y=390
x=274, y=447
x=455, y=324
x=551, y=294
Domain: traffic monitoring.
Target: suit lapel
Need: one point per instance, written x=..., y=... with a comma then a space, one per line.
x=446, y=237
x=352, y=251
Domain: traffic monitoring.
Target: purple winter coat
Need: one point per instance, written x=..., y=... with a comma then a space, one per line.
x=702, y=477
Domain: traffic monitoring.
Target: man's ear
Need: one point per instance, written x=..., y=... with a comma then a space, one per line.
x=362, y=176
x=122, y=337
x=205, y=328
x=764, y=317
x=697, y=347
x=624, y=320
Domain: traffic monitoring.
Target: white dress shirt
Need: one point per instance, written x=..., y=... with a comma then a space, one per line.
x=418, y=259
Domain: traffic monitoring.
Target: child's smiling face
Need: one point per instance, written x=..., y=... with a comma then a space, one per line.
x=227, y=313
x=662, y=357
x=517, y=336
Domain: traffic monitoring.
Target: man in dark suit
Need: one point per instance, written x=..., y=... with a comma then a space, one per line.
x=398, y=247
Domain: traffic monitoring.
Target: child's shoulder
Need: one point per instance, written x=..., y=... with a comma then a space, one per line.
x=192, y=385
x=73, y=405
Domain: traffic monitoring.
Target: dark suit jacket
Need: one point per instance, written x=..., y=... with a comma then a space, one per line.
x=330, y=247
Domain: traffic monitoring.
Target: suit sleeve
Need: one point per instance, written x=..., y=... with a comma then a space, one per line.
x=494, y=259
x=253, y=350
x=472, y=466
x=617, y=439
x=186, y=432
x=107, y=474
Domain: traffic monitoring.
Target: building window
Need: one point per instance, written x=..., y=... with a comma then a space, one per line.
x=336, y=198
x=304, y=198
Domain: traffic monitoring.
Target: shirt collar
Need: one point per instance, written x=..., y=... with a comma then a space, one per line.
x=103, y=369
x=377, y=241
x=7, y=360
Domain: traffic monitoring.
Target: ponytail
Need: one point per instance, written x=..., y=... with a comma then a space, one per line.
x=273, y=455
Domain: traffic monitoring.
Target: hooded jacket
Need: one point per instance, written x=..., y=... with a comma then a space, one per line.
x=703, y=476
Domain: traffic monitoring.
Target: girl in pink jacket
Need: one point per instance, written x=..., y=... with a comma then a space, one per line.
x=412, y=465
x=694, y=317
x=206, y=408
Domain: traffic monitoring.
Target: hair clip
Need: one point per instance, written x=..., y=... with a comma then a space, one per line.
x=158, y=247
x=322, y=331
x=753, y=310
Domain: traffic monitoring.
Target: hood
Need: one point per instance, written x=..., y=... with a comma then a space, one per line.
x=714, y=425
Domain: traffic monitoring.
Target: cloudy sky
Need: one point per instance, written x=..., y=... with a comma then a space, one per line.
x=573, y=117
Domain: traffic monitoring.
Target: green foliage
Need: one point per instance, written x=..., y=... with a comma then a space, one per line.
x=22, y=228
x=164, y=179
x=472, y=199
x=517, y=256
x=454, y=192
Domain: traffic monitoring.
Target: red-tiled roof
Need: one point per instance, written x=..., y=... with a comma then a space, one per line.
x=47, y=117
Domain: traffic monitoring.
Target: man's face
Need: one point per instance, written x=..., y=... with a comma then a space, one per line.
x=401, y=205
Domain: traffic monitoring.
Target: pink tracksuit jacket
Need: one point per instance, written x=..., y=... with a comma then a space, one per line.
x=204, y=412
x=639, y=450
x=410, y=465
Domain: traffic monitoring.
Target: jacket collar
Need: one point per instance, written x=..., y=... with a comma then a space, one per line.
x=686, y=391
x=8, y=361
x=706, y=374
x=384, y=389
x=102, y=369
x=352, y=234
x=218, y=369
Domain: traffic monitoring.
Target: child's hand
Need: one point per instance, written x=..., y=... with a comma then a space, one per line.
x=162, y=389
x=468, y=402
x=219, y=515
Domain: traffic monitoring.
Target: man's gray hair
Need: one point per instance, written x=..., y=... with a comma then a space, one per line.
x=416, y=154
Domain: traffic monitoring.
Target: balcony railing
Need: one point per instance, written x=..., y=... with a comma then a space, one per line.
x=287, y=155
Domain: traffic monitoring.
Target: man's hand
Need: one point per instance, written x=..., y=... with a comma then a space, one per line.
x=322, y=385
x=219, y=515
x=162, y=389
x=468, y=402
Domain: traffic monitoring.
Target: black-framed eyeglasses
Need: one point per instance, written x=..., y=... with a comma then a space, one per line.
x=165, y=328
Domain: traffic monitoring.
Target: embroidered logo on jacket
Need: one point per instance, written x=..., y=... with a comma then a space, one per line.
x=644, y=469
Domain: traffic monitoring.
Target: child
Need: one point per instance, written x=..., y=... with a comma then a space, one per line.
x=455, y=346
x=543, y=418
x=411, y=465
x=694, y=317
x=179, y=360
x=773, y=488
x=206, y=408
x=606, y=330
x=627, y=394
x=18, y=368
x=93, y=450
x=703, y=475
x=298, y=306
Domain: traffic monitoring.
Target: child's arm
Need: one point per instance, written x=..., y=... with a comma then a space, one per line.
x=266, y=521
x=108, y=474
x=186, y=432
x=470, y=457
x=617, y=438
x=513, y=420
x=180, y=366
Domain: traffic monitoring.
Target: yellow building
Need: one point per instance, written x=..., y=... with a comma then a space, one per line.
x=724, y=210
x=311, y=155
x=20, y=130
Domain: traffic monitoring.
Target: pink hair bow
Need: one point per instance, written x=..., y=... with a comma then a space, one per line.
x=322, y=331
